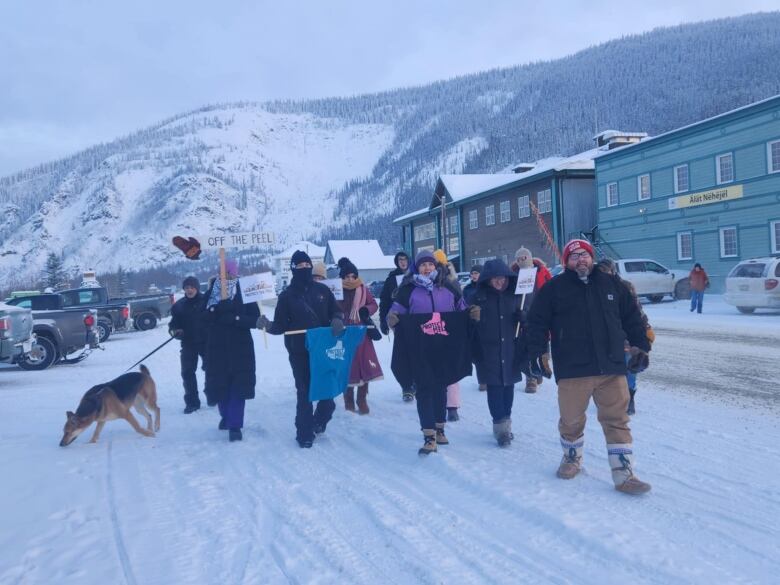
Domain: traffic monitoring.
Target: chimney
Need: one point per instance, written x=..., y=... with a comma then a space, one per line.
x=616, y=138
x=523, y=167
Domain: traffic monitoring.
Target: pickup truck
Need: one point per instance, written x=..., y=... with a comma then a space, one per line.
x=16, y=333
x=66, y=336
x=651, y=279
x=148, y=310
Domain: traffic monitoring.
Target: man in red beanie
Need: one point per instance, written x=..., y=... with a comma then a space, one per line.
x=588, y=315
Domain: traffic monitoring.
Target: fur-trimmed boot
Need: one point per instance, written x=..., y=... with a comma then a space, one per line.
x=429, y=446
x=441, y=438
x=349, y=399
x=503, y=433
x=631, y=410
x=362, y=402
x=571, y=464
x=621, y=460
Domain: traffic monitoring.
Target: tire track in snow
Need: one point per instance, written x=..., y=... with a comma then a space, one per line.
x=124, y=559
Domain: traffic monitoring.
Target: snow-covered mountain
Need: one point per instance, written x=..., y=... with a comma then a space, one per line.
x=342, y=167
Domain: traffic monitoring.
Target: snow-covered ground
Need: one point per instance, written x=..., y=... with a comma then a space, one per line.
x=362, y=507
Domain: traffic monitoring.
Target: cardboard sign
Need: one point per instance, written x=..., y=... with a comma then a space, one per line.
x=336, y=287
x=526, y=279
x=257, y=287
x=234, y=240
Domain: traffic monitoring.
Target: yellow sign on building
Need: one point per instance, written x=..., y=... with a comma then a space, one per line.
x=706, y=197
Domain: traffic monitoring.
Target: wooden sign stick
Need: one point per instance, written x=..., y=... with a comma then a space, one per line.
x=223, y=293
x=265, y=335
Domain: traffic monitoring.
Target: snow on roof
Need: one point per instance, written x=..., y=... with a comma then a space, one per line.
x=364, y=254
x=463, y=186
x=313, y=250
x=412, y=214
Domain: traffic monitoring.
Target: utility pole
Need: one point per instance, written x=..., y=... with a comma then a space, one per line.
x=444, y=226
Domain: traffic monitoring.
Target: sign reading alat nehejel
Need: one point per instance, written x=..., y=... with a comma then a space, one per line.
x=235, y=240
x=706, y=197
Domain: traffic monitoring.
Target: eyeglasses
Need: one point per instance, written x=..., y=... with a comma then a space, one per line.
x=578, y=255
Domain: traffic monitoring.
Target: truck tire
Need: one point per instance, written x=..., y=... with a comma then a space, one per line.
x=682, y=290
x=44, y=354
x=746, y=310
x=655, y=298
x=146, y=321
x=104, y=328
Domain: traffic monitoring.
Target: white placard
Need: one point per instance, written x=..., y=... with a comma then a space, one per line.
x=526, y=278
x=235, y=240
x=257, y=287
x=399, y=278
x=336, y=287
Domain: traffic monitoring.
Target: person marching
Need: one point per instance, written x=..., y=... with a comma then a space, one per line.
x=426, y=290
x=589, y=315
x=468, y=296
x=230, y=351
x=444, y=266
x=358, y=306
x=524, y=259
x=699, y=282
x=401, y=261
x=305, y=304
x=498, y=315
x=188, y=325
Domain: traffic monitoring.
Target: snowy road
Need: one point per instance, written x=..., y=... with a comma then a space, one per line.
x=361, y=507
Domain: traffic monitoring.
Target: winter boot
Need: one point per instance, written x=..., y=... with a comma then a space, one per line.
x=408, y=394
x=235, y=435
x=429, y=446
x=502, y=433
x=190, y=408
x=530, y=385
x=362, y=403
x=621, y=460
x=222, y=425
x=318, y=428
x=349, y=399
x=452, y=414
x=571, y=464
x=631, y=410
x=441, y=438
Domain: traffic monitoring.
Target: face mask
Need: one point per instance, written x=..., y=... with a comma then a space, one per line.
x=301, y=276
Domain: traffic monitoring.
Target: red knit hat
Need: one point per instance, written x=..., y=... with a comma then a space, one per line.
x=573, y=245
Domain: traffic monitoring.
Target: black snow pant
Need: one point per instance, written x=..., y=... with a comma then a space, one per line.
x=500, y=400
x=189, y=364
x=431, y=406
x=305, y=414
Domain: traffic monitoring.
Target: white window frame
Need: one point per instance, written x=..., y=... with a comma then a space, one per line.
x=523, y=206
x=723, y=242
x=639, y=195
x=718, y=171
x=490, y=214
x=769, y=167
x=774, y=236
x=680, y=255
x=677, y=188
x=544, y=201
x=611, y=192
x=474, y=219
x=421, y=230
x=504, y=211
x=454, y=224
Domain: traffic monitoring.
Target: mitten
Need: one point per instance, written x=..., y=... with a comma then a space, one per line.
x=638, y=361
x=475, y=312
x=650, y=335
x=383, y=326
x=176, y=333
x=364, y=315
x=336, y=326
x=264, y=322
x=539, y=366
x=392, y=319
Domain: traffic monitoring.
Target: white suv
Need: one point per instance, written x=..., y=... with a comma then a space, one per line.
x=650, y=279
x=754, y=284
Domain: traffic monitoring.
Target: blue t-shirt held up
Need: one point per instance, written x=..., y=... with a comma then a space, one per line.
x=330, y=359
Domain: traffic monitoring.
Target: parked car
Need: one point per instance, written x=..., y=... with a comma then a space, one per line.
x=651, y=279
x=146, y=310
x=64, y=336
x=754, y=284
x=16, y=333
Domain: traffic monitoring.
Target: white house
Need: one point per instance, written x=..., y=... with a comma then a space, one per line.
x=281, y=262
x=366, y=255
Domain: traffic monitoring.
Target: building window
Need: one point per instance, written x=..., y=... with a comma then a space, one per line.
x=506, y=211
x=774, y=235
x=523, y=206
x=453, y=244
x=544, y=201
x=728, y=242
x=473, y=219
x=773, y=156
x=724, y=168
x=454, y=225
x=426, y=231
x=612, y=194
x=490, y=215
x=681, y=179
x=643, y=187
x=685, y=246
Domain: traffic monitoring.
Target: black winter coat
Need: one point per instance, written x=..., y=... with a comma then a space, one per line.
x=500, y=313
x=230, y=351
x=189, y=316
x=303, y=307
x=588, y=324
x=386, y=296
x=469, y=292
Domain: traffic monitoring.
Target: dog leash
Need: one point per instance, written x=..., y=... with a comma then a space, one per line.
x=150, y=353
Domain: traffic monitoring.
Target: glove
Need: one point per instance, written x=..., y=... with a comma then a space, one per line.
x=365, y=317
x=336, y=326
x=638, y=361
x=392, y=319
x=521, y=316
x=264, y=322
x=539, y=366
x=475, y=312
x=650, y=335
x=176, y=333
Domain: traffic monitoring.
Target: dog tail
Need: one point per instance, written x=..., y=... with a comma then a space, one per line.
x=145, y=370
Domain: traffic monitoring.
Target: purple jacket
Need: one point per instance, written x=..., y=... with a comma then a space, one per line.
x=439, y=300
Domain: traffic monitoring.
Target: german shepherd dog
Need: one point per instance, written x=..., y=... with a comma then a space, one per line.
x=113, y=400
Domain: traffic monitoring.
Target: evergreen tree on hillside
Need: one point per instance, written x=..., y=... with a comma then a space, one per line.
x=54, y=275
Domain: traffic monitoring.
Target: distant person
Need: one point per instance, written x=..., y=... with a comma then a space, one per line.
x=188, y=325
x=319, y=272
x=471, y=288
x=699, y=281
x=401, y=261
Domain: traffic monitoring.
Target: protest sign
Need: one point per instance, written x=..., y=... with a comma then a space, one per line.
x=526, y=278
x=257, y=287
x=336, y=287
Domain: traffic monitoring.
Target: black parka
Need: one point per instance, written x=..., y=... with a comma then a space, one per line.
x=388, y=290
x=303, y=306
x=189, y=316
x=588, y=324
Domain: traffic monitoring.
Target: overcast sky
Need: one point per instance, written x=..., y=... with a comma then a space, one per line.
x=78, y=72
